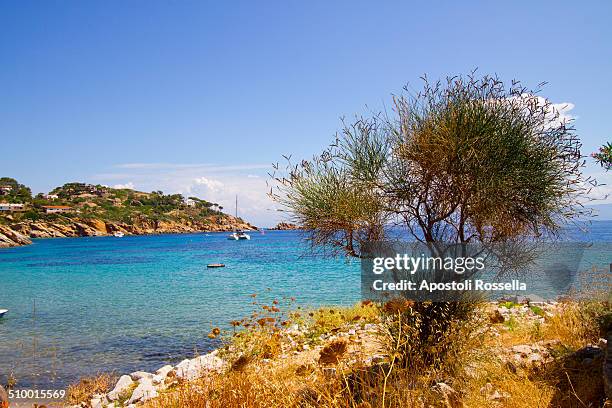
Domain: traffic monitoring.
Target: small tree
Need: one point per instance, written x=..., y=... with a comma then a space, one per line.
x=464, y=161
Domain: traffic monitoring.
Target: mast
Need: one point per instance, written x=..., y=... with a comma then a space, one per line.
x=236, y=205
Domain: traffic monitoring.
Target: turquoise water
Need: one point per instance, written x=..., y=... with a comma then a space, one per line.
x=84, y=305
x=79, y=306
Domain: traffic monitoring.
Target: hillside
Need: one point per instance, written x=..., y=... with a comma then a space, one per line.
x=79, y=209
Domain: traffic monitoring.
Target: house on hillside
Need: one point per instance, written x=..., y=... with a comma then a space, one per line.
x=190, y=203
x=4, y=190
x=7, y=207
x=51, y=196
x=54, y=209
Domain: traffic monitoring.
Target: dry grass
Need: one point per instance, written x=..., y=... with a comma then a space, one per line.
x=85, y=389
x=307, y=379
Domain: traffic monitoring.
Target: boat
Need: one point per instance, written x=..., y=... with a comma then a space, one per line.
x=119, y=234
x=215, y=265
x=238, y=235
x=3, y=312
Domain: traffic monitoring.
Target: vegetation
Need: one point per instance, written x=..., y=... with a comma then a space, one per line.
x=604, y=156
x=13, y=191
x=87, y=387
x=307, y=371
x=106, y=203
x=464, y=161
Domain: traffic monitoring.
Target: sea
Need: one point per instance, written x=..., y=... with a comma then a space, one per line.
x=83, y=306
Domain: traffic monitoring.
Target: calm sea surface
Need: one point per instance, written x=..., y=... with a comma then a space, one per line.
x=79, y=306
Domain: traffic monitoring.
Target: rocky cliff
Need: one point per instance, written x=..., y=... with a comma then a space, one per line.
x=9, y=237
x=286, y=226
x=20, y=233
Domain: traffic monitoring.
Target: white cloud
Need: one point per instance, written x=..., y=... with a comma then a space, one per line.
x=129, y=185
x=216, y=183
x=213, y=185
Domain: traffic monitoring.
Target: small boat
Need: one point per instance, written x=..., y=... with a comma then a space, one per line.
x=119, y=234
x=235, y=236
x=215, y=265
x=3, y=312
x=238, y=235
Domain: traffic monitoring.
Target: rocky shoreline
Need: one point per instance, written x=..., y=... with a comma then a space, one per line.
x=361, y=341
x=286, y=226
x=141, y=386
x=20, y=233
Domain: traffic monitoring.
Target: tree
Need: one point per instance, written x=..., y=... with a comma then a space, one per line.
x=16, y=192
x=463, y=161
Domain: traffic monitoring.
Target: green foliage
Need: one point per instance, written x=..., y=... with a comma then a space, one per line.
x=467, y=160
x=511, y=323
x=120, y=205
x=509, y=305
x=604, y=156
x=537, y=311
x=18, y=193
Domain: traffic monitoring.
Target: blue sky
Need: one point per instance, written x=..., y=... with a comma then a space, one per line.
x=200, y=97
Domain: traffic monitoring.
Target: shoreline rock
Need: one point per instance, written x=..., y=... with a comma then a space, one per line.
x=19, y=234
x=10, y=238
x=141, y=386
x=286, y=226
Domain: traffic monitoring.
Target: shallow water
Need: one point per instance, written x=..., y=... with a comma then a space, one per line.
x=83, y=305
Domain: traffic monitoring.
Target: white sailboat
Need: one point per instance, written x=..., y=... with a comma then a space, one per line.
x=238, y=235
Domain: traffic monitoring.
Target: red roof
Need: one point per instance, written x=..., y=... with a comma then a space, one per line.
x=56, y=206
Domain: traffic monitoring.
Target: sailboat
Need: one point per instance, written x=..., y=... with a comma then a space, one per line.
x=238, y=235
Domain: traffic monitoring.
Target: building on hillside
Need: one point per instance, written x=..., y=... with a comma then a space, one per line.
x=4, y=190
x=54, y=209
x=190, y=203
x=8, y=207
x=51, y=196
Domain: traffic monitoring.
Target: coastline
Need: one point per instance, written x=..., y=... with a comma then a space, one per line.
x=304, y=346
x=22, y=233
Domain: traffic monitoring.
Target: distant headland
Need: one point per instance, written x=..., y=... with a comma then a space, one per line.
x=80, y=210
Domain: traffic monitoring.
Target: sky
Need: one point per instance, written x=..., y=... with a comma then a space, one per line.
x=200, y=98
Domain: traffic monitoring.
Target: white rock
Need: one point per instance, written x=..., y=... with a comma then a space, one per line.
x=522, y=349
x=164, y=370
x=96, y=403
x=351, y=332
x=161, y=374
x=138, y=375
x=144, y=392
x=194, y=368
x=124, y=383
